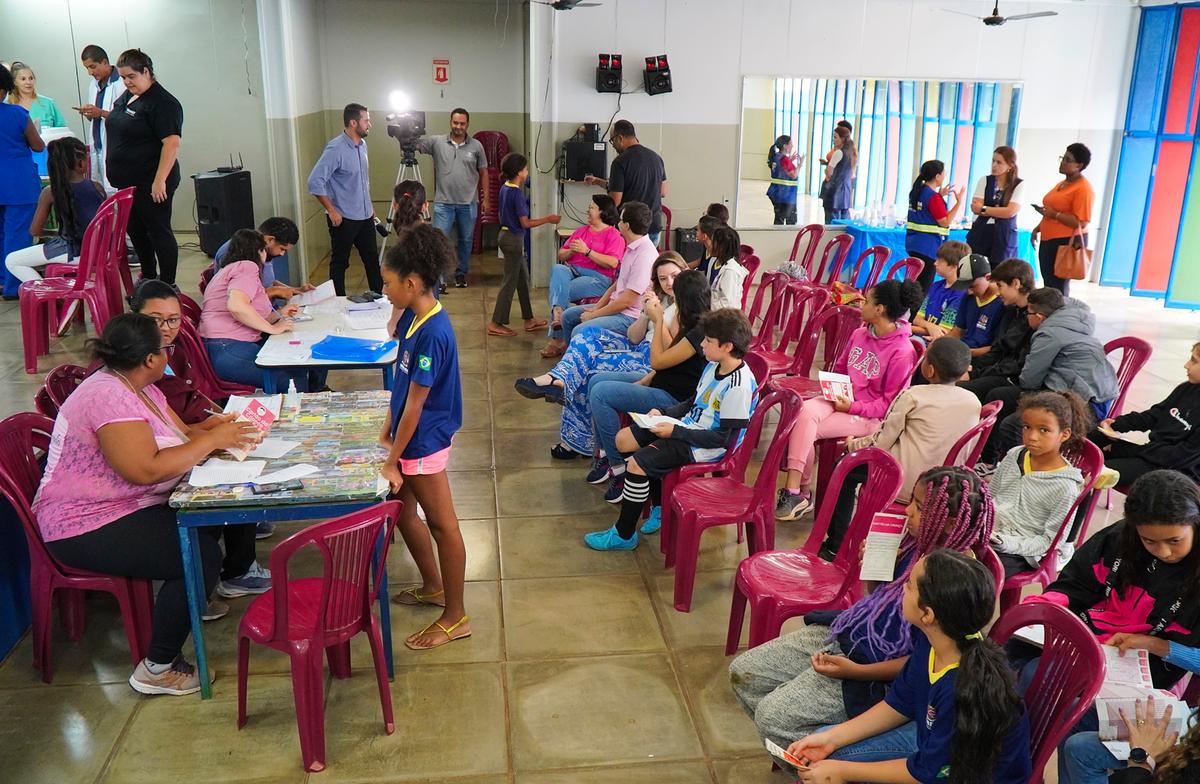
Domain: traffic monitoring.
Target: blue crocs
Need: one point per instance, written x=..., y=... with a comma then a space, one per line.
x=653, y=522
x=609, y=539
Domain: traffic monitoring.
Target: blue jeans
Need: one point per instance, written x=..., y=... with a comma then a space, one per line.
x=233, y=360
x=893, y=744
x=569, y=283
x=590, y=353
x=655, y=236
x=572, y=321
x=610, y=394
x=14, y=235
x=462, y=215
x=1082, y=758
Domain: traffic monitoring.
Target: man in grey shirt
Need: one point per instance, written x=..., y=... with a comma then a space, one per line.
x=341, y=183
x=458, y=164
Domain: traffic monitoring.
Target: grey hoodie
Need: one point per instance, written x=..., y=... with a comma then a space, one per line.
x=1065, y=356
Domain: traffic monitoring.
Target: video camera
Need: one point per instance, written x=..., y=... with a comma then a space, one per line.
x=406, y=128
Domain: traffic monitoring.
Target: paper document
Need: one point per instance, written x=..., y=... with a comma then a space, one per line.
x=375, y=304
x=273, y=447
x=287, y=474
x=1133, y=438
x=1127, y=680
x=225, y=472
x=835, y=385
x=882, y=545
x=1034, y=635
x=1132, y=669
x=237, y=403
x=258, y=415
x=319, y=294
x=775, y=750
x=647, y=421
x=359, y=320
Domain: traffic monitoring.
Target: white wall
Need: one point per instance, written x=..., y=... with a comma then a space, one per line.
x=206, y=53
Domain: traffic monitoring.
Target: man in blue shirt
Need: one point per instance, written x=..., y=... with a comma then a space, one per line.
x=341, y=182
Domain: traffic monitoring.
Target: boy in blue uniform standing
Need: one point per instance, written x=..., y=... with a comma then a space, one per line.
x=425, y=413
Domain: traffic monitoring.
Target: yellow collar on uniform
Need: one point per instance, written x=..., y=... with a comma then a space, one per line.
x=1029, y=466
x=935, y=676
x=413, y=327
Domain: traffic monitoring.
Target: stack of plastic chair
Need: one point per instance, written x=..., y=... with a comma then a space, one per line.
x=1068, y=677
x=495, y=147
x=40, y=299
x=312, y=617
x=783, y=584
x=703, y=502
x=24, y=442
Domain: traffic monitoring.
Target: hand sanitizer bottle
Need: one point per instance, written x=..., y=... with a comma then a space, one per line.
x=292, y=400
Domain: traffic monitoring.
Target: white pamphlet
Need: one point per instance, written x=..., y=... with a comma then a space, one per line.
x=225, y=472
x=272, y=448
x=647, y=421
x=881, y=546
x=237, y=403
x=287, y=474
x=319, y=294
x=360, y=320
x=835, y=385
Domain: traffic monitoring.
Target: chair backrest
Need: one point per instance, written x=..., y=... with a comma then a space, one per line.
x=744, y=252
x=190, y=309
x=120, y=257
x=758, y=367
x=190, y=349
x=810, y=237
x=666, y=211
x=869, y=266
x=206, y=276
x=833, y=258
x=836, y=323
x=44, y=404
x=794, y=310
x=785, y=293
x=751, y=264
x=62, y=381
x=1068, y=676
x=24, y=442
x=885, y=476
x=969, y=446
x=347, y=545
x=987, y=556
x=97, y=247
x=919, y=347
x=771, y=283
x=908, y=268
x=1135, y=352
x=789, y=404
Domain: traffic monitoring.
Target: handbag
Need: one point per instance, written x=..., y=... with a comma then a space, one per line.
x=1073, y=259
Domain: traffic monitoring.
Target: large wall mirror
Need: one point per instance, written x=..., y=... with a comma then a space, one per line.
x=898, y=123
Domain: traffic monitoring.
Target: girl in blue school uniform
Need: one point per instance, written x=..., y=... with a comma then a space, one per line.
x=953, y=714
x=425, y=413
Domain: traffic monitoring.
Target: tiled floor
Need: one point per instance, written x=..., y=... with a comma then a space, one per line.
x=579, y=669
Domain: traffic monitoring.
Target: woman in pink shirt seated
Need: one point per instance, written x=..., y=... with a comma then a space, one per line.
x=587, y=266
x=237, y=316
x=116, y=453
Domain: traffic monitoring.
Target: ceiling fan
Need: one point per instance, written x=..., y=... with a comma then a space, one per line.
x=565, y=5
x=995, y=20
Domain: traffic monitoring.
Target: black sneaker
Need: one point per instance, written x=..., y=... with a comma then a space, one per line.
x=460, y=281
x=599, y=473
x=616, y=490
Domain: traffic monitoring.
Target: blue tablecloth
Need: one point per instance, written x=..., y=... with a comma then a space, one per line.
x=866, y=236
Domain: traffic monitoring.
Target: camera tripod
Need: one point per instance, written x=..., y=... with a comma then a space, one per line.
x=409, y=169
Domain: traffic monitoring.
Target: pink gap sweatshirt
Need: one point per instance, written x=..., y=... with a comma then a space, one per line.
x=879, y=368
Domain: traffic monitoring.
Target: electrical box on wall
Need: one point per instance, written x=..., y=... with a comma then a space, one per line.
x=608, y=74
x=657, y=75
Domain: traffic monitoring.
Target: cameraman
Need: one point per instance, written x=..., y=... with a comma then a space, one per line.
x=458, y=163
x=341, y=183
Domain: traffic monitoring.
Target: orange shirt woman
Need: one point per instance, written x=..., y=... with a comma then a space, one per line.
x=1065, y=209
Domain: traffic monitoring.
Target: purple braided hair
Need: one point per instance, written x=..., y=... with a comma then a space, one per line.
x=955, y=499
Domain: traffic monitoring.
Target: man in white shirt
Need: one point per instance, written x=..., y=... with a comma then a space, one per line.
x=106, y=87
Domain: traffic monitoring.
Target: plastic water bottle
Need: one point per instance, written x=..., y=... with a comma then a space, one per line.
x=292, y=400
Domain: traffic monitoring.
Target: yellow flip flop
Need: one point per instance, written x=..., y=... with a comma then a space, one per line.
x=412, y=597
x=449, y=632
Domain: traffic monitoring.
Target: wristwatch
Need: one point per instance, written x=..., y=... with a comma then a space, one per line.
x=1139, y=756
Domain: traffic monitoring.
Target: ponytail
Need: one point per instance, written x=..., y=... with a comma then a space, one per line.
x=962, y=593
x=410, y=203
x=64, y=155
x=776, y=150
x=929, y=170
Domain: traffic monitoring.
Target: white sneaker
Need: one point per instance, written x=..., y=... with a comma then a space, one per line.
x=177, y=681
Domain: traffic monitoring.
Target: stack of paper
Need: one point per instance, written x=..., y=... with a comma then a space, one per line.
x=319, y=294
x=1127, y=680
x=375, y=318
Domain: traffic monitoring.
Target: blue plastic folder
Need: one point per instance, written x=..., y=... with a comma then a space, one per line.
x=343, y=349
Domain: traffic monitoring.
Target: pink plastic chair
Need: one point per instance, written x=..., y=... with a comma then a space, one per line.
x=119, y=260
x=744, y=252
x=62, y=381
x=791, y=311
x=752, y=263
x=1068, y=676
x=43, y=403
x=1135, y=353
x=810, y=237
x=969, y=446
x=206, y=276
x=833, y=258
x=701, y=503
x=783, y=584
x=190, y=308
x=909, y=268
x=316, y=615
x=495, y=147
x=191, y=362
x=40, y=299
x=1090, y=462
x=770, y=286
x=836, y=323
x=24, y=441
x=873, y=260
x=666, y=211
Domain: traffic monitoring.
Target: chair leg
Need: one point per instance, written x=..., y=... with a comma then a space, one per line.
x=127, y=599
x=762, y=622
x=737, y=613
x=309, y=693
x=42, y=605
x=1108, y=499
x=339, y=660
x=71, y=612
x=687, y=553
x=243, y=672
x=666, y=537
x=385, y=688
x=143, y=591
x=29, y=327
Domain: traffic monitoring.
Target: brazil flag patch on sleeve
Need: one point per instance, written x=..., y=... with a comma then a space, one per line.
x=424, y=362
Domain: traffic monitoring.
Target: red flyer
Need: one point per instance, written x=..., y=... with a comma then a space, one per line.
x=258, y=415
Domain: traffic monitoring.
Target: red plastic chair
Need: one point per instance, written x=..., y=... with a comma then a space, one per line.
x=744, y=252
x=909, y=268
x=62, y=381
x=190, y=361
x=769, y=286
x=1135, y=353
x=752, y=263
x=1090, y=462
x=119, y=266
x=969, y=446
x=810, y=237
x=318, y=615
x=206, y=276
x=1068, y=676
x=495, y=147
x=190, y=308
x=836, y=323
x=701, y=503
x=783, y=584
x=43, y=403
x=666, y=211
x=833, y=258
x=40, y=299
x=873, y=260
x=791, y=312
x=24, y=442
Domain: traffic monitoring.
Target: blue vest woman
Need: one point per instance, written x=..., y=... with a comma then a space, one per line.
x=928, y=217
x=782, y=160
x=837, y=194
x=996, y=202
x=19, y=181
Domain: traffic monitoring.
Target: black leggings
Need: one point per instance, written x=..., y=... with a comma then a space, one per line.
x=1123, y=457
x=1047, y=253
x=925, y=279
x=145, y=545
x=151, y=235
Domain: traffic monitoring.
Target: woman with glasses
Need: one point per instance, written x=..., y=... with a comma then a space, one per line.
x=116, y=453
x=1064, y=210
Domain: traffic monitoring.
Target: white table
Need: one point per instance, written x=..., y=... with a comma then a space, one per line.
x=293, y=350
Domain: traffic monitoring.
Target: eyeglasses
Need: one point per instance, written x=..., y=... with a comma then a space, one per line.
x=170, y=321
x=169, y=348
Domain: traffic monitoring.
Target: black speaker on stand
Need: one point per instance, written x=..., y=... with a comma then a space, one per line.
x=224, y=204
